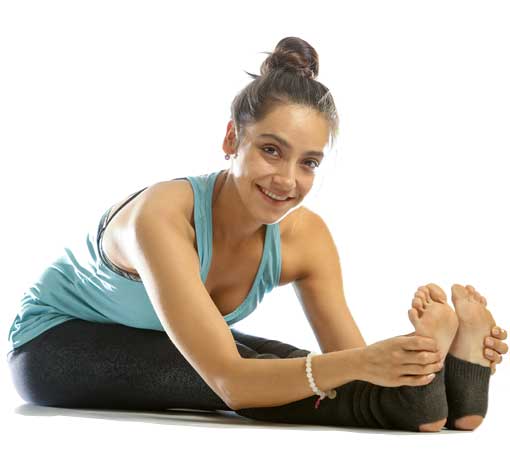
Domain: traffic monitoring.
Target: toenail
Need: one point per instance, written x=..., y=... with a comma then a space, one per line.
x=489, y=353
x=496, y=331
x=490, y=342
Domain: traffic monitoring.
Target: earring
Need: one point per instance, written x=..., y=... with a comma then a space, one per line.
x=227, y=156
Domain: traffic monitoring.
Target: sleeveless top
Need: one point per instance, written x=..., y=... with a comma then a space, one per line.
x=83, y=283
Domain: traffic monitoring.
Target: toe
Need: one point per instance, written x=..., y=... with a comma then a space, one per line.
x=414, y=317
x=436, y=293
x=422, y=294
x=470, y=289
x=424, y=291
x=418, y=303
x=459, y=292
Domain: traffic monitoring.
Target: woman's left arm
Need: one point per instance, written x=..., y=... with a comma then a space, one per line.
x=319, y=287
x=495, y=352
x=320, y=291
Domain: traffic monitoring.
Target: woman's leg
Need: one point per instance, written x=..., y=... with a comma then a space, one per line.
x=358, y=403
x=80, y=364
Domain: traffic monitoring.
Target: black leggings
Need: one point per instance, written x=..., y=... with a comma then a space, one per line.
x=81, y=364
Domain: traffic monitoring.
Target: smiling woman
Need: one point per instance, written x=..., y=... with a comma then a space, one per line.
x=137, y=315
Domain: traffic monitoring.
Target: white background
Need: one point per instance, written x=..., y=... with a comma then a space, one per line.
x=99, y=99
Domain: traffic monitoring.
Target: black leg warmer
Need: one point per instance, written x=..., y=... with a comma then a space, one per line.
x=358, y=403
x=467, y=389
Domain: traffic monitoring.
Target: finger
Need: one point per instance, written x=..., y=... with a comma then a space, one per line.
x=497, y=345
x=499, y=333
x=491, y=355
x=419, y=343
x=415, y=380
x=493, y=367
x=421, y=358
x=422, y=369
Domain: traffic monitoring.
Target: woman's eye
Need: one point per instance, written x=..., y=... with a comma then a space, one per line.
x=315, y=164
x=268, y=147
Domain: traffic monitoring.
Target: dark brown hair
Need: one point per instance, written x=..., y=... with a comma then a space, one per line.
x=287, y=77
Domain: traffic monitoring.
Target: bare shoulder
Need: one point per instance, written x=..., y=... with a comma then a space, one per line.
x=318, y=249
x=300, y=232
x=168, y=197
x=297, y=222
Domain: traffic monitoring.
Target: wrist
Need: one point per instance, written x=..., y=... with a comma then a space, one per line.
x=334, y=369
x=360, y=362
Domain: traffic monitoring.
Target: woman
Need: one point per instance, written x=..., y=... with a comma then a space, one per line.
x=127, y=318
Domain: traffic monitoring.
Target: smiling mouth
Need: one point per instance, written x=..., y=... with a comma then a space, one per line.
x=276, y=201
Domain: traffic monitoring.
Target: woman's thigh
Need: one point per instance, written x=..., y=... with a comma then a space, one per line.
x=81, y=364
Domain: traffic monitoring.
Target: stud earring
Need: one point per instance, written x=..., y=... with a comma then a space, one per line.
x=227, y=156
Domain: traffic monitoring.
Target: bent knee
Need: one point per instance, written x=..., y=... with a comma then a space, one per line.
x=435, y=426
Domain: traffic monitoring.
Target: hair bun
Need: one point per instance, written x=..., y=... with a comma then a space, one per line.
x=294, y=55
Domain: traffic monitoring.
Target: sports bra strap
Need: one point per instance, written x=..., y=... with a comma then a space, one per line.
x=125, y=202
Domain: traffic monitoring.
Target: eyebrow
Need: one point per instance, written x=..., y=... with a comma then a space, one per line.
x=288, y=145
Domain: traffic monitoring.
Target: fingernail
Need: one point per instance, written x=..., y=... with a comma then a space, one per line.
x=490, y=342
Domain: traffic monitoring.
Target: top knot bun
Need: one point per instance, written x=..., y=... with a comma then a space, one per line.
x=294, y=55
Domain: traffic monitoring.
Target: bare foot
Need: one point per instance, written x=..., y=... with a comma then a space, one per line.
x=433, y=317
x=475, y=323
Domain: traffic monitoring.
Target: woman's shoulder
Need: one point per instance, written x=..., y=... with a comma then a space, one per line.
x=169, y=197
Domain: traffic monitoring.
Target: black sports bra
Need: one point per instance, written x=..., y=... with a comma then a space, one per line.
x=100, y=232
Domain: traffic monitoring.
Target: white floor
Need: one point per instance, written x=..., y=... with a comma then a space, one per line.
x=33, y=433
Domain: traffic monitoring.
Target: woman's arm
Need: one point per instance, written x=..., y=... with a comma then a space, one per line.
x=275, y=382
x=320, y=288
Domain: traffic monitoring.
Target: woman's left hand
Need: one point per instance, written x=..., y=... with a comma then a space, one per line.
x=495, y=352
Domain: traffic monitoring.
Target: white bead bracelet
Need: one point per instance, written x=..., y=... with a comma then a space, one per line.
x=331, y=394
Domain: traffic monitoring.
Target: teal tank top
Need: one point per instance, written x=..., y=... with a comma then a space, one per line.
x=82, y=283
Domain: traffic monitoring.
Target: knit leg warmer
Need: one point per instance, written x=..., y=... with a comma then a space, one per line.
x=358, y=403
x=467, y=389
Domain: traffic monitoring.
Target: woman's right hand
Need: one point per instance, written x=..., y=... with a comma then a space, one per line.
x=401, y=361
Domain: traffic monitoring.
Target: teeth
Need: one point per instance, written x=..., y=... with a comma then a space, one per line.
x=271, y=195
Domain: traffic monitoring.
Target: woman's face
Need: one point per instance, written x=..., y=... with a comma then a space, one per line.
x=286, y=165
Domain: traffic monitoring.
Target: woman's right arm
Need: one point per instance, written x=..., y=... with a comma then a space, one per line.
x=398, y=361
x=164, y=256
x=162, y=252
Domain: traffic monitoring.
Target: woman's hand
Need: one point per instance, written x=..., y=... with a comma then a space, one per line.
x=495, y=352
x=400, y=361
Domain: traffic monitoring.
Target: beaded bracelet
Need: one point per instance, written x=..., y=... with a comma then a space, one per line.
x=331, y=394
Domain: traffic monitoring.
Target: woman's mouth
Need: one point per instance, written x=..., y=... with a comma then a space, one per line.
x=272, y=201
